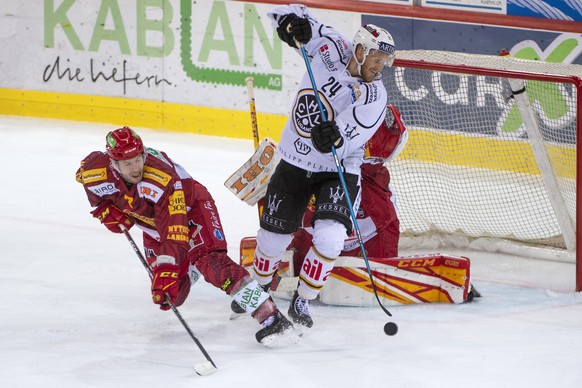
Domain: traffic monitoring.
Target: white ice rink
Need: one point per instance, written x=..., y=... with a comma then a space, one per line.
x=77, y=312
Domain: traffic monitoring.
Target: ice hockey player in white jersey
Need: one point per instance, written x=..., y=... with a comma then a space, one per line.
x=348, y=79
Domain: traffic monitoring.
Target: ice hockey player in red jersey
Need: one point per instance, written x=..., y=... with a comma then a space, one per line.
x=182, y=232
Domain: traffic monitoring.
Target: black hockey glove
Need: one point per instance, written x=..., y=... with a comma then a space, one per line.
x=292, y=28
x=325, y=135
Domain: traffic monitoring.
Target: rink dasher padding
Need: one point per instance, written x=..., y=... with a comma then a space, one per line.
x=137, y=113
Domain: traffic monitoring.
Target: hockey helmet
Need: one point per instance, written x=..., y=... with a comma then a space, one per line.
x=389, y=138
x=123, y=144
x=372, y=37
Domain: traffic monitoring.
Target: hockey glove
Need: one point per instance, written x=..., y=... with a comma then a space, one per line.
x=325, y=135
x=112, y=217
x=293, y=29
x=165, y=282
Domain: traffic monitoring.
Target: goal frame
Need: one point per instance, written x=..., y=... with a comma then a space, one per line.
x=534, y=76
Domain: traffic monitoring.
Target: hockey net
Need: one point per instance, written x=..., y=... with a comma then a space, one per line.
x=488, y=164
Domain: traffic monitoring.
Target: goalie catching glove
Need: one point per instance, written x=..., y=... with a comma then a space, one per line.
x=294, y=30
x=112, y=217
x=165, y=281
x=326, y=135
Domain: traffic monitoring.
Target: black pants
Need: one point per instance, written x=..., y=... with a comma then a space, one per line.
x=291, y=188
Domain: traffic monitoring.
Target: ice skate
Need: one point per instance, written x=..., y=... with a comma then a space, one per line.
x=277, y=331
x=299, y=311
x=473, y=293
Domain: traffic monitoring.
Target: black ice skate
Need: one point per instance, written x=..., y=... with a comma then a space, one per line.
x=299, y=311
x=473, y=293
x=235, y=307
x=274, y=326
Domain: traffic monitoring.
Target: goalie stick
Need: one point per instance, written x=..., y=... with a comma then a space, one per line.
x=203, y=368
x=251, y=98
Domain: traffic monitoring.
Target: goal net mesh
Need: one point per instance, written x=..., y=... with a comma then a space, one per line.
x=470, y=168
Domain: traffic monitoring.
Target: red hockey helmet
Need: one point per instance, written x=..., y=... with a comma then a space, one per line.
x=123, y=144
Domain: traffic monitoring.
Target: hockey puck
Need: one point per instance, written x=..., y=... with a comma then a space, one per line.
x=390, y=328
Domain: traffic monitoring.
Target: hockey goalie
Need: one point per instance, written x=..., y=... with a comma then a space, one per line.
x=399, y=280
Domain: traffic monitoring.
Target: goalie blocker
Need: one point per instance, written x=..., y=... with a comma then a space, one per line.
x=429, y=278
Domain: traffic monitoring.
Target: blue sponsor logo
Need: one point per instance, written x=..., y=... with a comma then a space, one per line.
x=218, y=234
x=386, y=48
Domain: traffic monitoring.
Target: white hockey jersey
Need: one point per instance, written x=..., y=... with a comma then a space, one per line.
x=358, y=108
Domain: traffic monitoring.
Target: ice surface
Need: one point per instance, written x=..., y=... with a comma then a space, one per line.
x=77, y=310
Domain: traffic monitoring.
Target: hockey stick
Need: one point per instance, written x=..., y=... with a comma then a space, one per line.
x=392, y=325
x=254, y=125
x=203, y=368
x=251, y=98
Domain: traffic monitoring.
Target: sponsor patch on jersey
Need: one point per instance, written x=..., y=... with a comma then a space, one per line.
x=372, y=93
x=218, y=234
x=325, y=56
x=149, y=191
x=177, y=204
x=102, y=189
x=343, y=47
x=156, y=175
x=355, y=91
x=95, y=175
x=178, y=185
x=178, y=233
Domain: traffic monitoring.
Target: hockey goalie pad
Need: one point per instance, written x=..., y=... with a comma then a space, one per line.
x=249, y=183
x=433, y=278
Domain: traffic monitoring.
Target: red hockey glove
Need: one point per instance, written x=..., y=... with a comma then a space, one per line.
x=112, y=217
x=325, y=135
x=165, y=281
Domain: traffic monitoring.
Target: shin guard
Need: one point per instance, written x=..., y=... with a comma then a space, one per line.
x=314, y=272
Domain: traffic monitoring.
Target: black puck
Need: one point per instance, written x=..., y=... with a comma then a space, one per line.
x=390, y=328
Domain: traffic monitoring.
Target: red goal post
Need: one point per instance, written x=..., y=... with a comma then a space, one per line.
x=492, y=159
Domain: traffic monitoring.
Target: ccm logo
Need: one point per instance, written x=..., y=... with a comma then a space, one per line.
x=416, y=263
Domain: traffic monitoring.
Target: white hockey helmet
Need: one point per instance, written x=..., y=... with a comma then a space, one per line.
x=372, y=37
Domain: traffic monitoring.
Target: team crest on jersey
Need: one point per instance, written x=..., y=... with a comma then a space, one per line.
x=306, y=113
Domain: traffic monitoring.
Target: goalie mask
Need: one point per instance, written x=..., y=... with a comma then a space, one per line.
x=388, y=140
